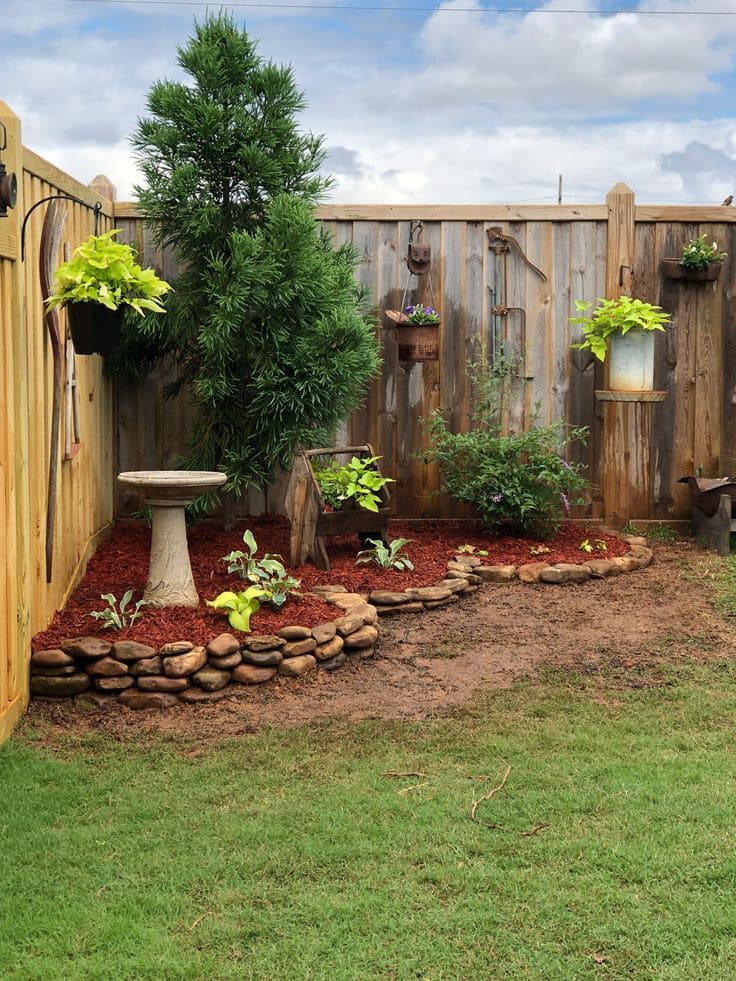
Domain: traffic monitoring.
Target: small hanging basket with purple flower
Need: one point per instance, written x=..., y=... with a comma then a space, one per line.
x=419, y=332
x=418, y=323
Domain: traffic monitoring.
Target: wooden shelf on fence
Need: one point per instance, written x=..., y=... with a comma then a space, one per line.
x=311, y=524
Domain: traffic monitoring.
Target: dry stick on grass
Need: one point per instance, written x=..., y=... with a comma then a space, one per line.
x=407, y=773
x=491, y=793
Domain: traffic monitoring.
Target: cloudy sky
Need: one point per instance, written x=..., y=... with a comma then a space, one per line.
x=455, y=102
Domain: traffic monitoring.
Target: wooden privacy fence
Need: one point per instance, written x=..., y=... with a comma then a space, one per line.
x=515, y=288
x=84, y=460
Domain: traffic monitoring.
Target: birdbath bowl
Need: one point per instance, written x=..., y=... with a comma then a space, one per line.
x=167, y=493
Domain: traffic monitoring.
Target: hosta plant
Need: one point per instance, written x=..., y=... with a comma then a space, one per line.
x=386, y=556
x=239, y=607
x=116, y=617
x=268, y=573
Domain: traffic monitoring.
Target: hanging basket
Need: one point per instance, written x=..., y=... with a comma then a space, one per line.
x=95, y=329
x=417, y=342
x=674, y=269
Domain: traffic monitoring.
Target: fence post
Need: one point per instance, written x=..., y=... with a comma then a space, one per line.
x=14, y=385
x=626, y=467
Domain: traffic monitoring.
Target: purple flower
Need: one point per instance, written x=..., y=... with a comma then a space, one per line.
x=566, y=502
x=497, y=498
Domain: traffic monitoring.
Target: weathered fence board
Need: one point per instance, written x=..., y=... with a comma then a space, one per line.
x=84, y=486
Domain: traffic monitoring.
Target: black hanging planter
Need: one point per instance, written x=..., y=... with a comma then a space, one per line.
x=95, y=329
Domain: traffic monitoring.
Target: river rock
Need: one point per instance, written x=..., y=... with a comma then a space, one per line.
x=531, y=571
x=294, y=667
x=297, y=648
x=88, y=647
x=455, y=585
x=263, y=659
x=327, y=588
x=107, y=667
x=496, y=573
x=564, y=572
x=114, y=684
x=348, y=624
x=264, y=642
x=363, y=638
x=626, y=563
x=367, y=611
x=323, y=632
x=55, y=672
x=135, y=699
x=471, y=561
x=643, y=556
x=602, y=568
x=211, y=679
x=53, y=658
x=71, y=684
x=334, y=662
x=196, y=695
x=433, y=594
x=250, y=674
x=162, y=683
x=344, y=601
x=385, y=597
x=295, y=632
x=176, y=647
x=438, y=604
x=149, y=665
x=415, y=606
x=131, y=650
x=183, y=664
x=223, y=646
x=226, y=663
x=329, y=650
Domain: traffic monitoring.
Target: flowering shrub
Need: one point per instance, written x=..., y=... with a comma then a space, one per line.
x=520, y=479
x=419, y=314
x=698, y=253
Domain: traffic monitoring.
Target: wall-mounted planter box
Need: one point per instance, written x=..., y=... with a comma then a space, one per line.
x=673, y=269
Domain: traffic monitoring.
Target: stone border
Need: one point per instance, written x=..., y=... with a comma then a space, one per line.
x=143, y=677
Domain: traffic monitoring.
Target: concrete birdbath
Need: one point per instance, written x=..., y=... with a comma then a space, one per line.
x=167, y=493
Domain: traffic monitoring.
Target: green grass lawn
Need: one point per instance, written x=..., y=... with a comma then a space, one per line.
x=294, y=854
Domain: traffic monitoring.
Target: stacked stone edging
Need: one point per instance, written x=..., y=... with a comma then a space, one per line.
x=141, y=676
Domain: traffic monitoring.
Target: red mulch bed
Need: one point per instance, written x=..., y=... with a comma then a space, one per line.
x=121, y=563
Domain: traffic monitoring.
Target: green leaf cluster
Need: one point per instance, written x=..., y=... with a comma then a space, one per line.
x=386, y=556
x=106, y=272
x=520, y=479
x=267, y=573
x=116, y=618
x=272, y=339
x=698, y=253
x=239, y=607
x=359, y=480
x=617, y=316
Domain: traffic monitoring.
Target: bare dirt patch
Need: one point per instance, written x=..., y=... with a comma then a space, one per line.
x=628, y=626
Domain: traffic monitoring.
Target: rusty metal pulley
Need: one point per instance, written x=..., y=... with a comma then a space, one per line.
x=418, y=255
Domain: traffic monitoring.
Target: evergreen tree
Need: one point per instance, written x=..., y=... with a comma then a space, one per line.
x=266, y=324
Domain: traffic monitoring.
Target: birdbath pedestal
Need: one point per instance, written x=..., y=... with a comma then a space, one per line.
x=167, y=493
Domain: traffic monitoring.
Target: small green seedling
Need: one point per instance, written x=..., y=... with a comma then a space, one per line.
x=587, y=546
x=239, y=607
x=540, y=550
x=471, y=550
x=116, y=618
x=386, y=556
